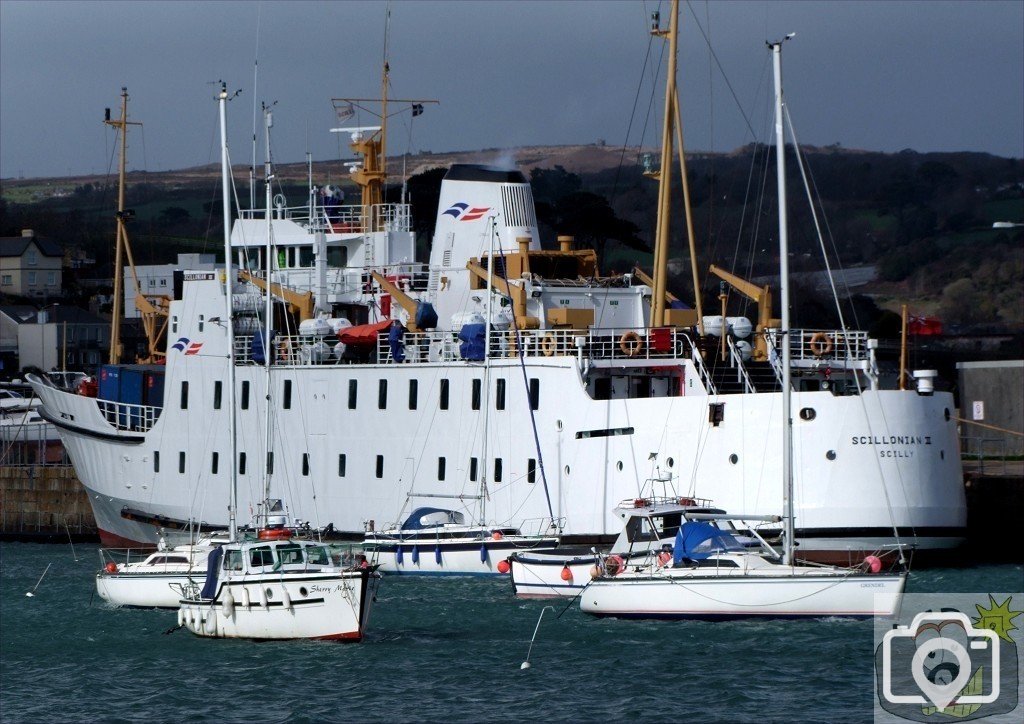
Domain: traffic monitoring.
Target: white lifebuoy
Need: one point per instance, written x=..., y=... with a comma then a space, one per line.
x=549, y=345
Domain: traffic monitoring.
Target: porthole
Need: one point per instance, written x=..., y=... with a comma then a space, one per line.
x=270, y=593
x=566, y=469
x=831, y=455
x=734, y=458
x=808, y=413
x=303, y=592
x=618, y=466
x=670, y=462
x=946, y=414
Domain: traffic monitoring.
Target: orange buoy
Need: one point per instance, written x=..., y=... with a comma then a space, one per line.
x=566, y=574
x=595, y=571
x=110, y=567
x=274, y=534
x=504, y=567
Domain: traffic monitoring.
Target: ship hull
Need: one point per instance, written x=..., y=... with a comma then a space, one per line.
x=864, y=463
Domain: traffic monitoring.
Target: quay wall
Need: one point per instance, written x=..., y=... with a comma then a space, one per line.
x=44, y=503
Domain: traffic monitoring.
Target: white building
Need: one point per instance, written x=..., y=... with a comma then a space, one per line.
x=158, y=279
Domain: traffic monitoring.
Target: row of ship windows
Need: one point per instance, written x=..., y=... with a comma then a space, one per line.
x=497, y=472
x=444, y=394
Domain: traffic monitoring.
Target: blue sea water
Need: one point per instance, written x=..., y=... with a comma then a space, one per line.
x=437, y=650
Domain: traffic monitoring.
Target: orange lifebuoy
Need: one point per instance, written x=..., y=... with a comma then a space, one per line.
x=274, y=534
x=820, y=344
x=549, y=345
x=630, y=343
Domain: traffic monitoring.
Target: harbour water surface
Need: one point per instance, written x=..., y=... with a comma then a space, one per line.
x=437, y=650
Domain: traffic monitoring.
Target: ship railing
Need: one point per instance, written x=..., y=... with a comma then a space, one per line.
x=345, y=219
x=542, y=526
x=128, y=416
x=736, y=362
x=445, y=346
x=835, y=346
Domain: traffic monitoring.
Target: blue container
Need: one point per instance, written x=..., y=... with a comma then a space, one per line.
x=153, y=390
x=110, y=383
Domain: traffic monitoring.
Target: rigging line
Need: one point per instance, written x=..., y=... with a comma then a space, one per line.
x=632, y=117
x=849, y=353
x=722, y=70
x=529, y=398
x=255, y=95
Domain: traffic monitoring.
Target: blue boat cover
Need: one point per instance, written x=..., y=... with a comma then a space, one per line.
x=257, y=352
x=697, y=540
x=212, y=567
x=473, y=341
x=423, y=518
x=395, y=335
x=426, y=317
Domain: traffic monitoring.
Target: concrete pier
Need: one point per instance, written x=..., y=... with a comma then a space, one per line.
x=44, y=503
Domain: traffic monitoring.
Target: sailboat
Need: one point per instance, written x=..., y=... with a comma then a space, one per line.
x=710, y=574
x=273, y=586
x=440, y=541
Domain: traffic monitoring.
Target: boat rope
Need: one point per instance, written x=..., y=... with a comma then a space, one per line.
x=520, y=353
x=849, y=354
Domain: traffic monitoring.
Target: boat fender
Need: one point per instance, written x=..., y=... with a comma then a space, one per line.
x=566, y=574
x=437, y=554
x=263, y=598
x=630, y=343
x=181, y=617
x=664, y=558
x=246, y=601
x=595, y=571
x=398, y=555
x=820, y=344
x=110, y=567
x=873, y=564
x=210, y=624
x=228, y=603
x=286, y=600
x=614, y=565
x=415, y=555
x=504, y=566
x=483, y=552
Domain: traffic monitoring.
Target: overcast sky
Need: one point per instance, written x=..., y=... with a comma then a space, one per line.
x=931, y=76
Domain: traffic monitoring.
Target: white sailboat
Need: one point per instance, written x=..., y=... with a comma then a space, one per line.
x=439, y=541
x=160, y=578
x=710, y=574
x=274, y=587
x=649, y=527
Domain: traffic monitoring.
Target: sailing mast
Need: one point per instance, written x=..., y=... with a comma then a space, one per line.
x=268, y=121
x=787, y=391
x=228, y=312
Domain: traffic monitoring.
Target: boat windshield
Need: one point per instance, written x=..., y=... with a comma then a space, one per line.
x=261, y=556
x=290, y=554
x=233, y=560
x=317, y=556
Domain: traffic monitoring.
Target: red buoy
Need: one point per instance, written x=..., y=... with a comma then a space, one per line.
x=110, y=567
x=504, y=567
x=873, y=563
x=496, y=535
x=566, y=573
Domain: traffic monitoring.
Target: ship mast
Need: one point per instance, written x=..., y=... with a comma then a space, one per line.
x=121, y=242
x=672, y=121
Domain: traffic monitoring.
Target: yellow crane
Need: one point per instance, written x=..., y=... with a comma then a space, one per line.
x=762, y=296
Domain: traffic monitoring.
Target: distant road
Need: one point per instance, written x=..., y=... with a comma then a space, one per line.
x=852, y=277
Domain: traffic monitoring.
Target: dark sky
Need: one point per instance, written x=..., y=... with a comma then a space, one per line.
x=932, y=76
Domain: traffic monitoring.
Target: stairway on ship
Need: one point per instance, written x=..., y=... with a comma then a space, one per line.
x=727, y=379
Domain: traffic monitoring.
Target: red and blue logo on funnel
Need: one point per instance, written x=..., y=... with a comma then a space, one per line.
x=464, y=212
x=182, y=345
